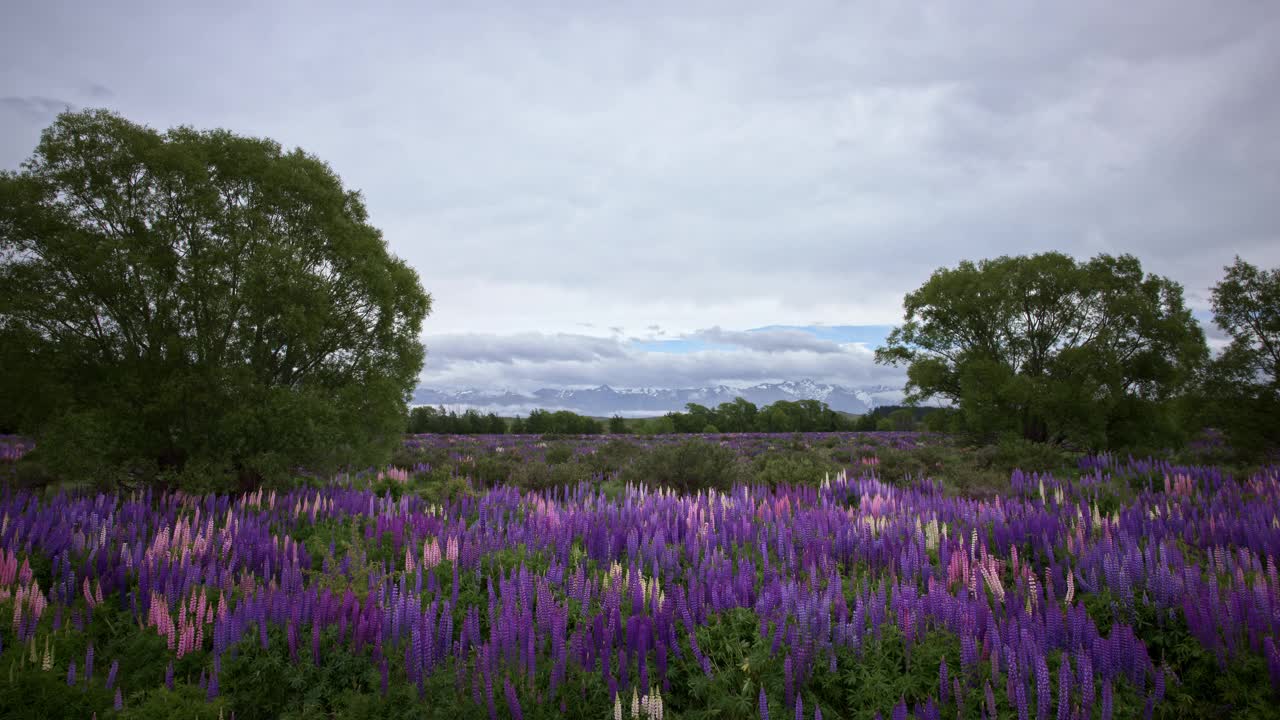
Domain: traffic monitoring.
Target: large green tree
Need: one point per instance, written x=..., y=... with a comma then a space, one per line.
x=189, y=296
x=1050, y=348
x=1243, y=383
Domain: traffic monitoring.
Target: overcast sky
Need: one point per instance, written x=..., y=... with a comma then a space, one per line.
x=618, y=192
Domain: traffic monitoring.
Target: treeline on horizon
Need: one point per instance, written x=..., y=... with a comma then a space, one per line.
x=737, y=416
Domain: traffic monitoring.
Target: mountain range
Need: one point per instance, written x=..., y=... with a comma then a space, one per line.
x=605, y=401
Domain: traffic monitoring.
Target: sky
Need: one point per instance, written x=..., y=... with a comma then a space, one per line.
x=687, y=193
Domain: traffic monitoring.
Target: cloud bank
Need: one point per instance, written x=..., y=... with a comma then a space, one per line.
x=698, y=167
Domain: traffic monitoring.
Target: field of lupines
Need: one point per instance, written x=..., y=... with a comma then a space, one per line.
x=1124, y=588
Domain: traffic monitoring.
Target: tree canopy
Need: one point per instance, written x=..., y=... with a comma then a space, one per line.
x=1243, y=383
x=1050, y=348
x=197, y=296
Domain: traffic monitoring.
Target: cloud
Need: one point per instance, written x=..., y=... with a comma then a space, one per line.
x=34, y=108
x=768, y=341
x=536, y=348
x=731, y=165
x=534, y=360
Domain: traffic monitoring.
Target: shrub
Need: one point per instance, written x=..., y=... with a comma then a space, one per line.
x=688, y=467
x=559, y=453
x=612, y=456
x=541, y=476
x=792, y=467
x=1014, y=453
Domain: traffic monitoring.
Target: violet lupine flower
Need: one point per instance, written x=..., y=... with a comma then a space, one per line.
x=1043, y=690
x=111, y=673
x=1020, y=698
x=1106, y=700
x=88, y=663
x=764, y=705
x=315, y=643
x=168, y=675
x=118, y=702
x=799, y=708
x=71, y=674
x=942, y=680
x=1064, y=688
x=513, y=702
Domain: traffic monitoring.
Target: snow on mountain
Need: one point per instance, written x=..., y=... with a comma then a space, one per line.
x=606, y=401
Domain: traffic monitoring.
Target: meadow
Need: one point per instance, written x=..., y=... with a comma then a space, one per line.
x=823, y=575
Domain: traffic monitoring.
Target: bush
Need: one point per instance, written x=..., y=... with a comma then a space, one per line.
x=688, y=467
x=442, y=487
x=1014, y=453
x=538, y=476
x=792, y=467
x=612, y=456
x=559, y=453
x=491, y=469
x=200, y=477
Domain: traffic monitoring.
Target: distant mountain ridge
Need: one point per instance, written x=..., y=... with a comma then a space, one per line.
x=606, y=401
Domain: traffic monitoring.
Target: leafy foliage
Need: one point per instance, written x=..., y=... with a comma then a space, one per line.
x=1050, y=349
x=1242, y=386
x=196, y=295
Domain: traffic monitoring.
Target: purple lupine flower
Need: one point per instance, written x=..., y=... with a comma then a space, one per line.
x=799, y=708
x=1106, y=700
x=168, y=675
x=764, y=705
x=111, y=673
x=513, y=702
x=1085, y=671
x=942, y=680
x=315, y=643
x=118, y=702
x=1064, y=688
x=817, y=713
x=88, y=663
x=71, y=674
x=1020, y=698
x=900, y=710
x=1043, y=690
x=991, y=700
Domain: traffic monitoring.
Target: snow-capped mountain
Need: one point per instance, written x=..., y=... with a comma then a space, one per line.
x=606, y=401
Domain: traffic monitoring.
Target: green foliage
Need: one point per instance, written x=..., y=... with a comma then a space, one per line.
x=902, y=420
x=559, y=453
x=544, y=476
x=618, y=425
x=1049, y=348
x=612, y=456
x=197, y=296
x=1241, y=389
x=741, y=415
x=561, y=422
x=688, y=467
x=792, y=467
x=426, y=419
x=1015, y=453
x=664, y=425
